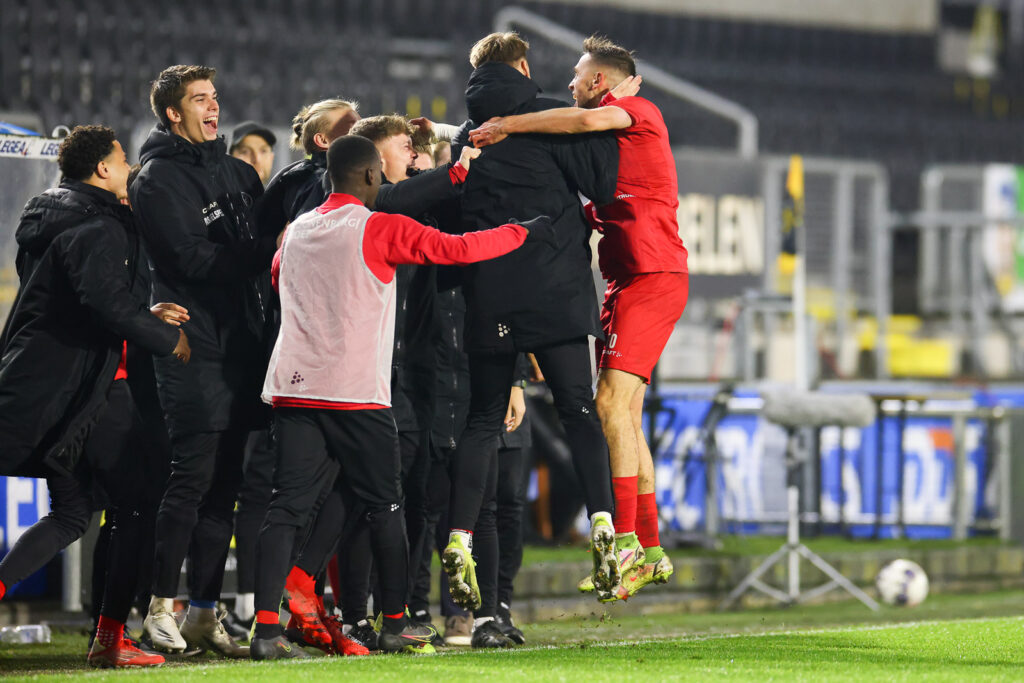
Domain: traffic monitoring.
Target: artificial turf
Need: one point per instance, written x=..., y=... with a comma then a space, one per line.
x=950, y=637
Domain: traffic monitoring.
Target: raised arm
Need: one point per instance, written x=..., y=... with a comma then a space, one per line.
x=562, y=120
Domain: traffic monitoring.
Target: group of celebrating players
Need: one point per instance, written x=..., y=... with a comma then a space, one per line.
x=373, y=302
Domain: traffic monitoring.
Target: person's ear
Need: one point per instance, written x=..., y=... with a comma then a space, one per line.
x=102, y=171
x=173, y=115
x=524, y=67
x=369, y=177
x=320, y=140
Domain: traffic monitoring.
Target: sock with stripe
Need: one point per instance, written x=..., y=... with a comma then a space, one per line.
x=268, y=624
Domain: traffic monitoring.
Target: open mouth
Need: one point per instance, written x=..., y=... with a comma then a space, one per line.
x=210, y=126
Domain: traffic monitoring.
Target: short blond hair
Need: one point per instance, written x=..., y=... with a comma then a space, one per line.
x=312, y=119
x=507, y=48
x=380, y=128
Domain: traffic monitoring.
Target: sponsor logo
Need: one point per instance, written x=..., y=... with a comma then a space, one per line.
x=211, y=213
x=503, y=329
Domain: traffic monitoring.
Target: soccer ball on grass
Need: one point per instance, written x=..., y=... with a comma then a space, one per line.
x=903, y=583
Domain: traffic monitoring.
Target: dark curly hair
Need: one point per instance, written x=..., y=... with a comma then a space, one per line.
x=82, y=149
x=169, y=87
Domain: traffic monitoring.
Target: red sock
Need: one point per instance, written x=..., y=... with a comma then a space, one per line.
x=109, y=631
x=300, y=581
x=647, y=520
x=334, y=576
x=265, y=616
x=625, y=504
x=3, y=590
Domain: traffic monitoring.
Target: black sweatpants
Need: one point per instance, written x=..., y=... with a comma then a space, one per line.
x=365, y=445
x=512, y=482
x=196, y=515
x=108, y=475
x=567, y=370
x=414, y=450
x=253, y=499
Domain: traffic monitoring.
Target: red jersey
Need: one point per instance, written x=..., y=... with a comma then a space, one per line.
x=641, y=233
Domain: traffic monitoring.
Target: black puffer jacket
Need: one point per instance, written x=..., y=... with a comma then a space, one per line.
x=296, y=189
x=537, y=295
x=79, y=300
x=194, y=207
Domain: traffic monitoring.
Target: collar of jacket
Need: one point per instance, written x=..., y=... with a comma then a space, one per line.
x=497, y=89
x=319, y=159
x=162, y=143
x=93, y=195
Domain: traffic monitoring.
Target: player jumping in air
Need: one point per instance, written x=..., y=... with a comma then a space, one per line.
x=644, y=261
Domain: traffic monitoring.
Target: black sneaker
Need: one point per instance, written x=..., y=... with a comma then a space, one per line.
x=414, y=638
x=422, y=618
x=503, y=618
x=488, y=634
x=364, y=634
x=237, y=627
x=275, y=648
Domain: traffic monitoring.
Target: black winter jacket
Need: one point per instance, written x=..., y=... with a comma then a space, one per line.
x=80, y=298
x=194, y=206
x=296, y=189
x=539, y=294
x=413, y=369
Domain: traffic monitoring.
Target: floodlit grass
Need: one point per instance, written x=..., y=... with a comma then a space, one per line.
x=962, y=637
x=733, y=545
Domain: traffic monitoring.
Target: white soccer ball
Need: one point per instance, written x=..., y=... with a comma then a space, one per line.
x=903, y=583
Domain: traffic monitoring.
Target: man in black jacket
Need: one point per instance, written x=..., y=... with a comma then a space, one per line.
x=66, y=412
x=550, y=311
x=194, y=205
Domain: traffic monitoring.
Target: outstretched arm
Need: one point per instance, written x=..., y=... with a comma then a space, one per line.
x=563, y=120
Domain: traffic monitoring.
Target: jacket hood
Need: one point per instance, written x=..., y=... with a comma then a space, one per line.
x=163, y=144
x=496, y=89
x=48, y=215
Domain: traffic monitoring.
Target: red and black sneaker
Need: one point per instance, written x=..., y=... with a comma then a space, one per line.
x=121, y=654
x=343, y=645
x=309, y=633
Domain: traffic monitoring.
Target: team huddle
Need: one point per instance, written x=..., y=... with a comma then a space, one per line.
x=330, y=369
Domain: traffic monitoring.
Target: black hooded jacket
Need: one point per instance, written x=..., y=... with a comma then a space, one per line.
x=194, y=206
x=294, y=190
x=540, y=294
x=80, y=299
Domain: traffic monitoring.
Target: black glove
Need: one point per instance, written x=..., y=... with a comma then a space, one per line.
x=541, y=230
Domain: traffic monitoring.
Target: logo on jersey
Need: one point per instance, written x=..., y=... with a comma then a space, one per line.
x=503, y=329
x=211, y=213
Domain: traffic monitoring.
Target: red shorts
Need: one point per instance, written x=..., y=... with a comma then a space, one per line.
x=638, y=317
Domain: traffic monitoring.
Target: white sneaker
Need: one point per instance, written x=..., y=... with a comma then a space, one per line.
x=202, y=629
x=606, y=574
x=162, y=628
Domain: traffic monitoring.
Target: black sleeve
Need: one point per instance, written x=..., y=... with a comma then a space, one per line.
x=461, y=138
x=591, y=162
x=177, y=241
x=93, y=260
x=269, y=211
x=523, y=368
x=418, y=194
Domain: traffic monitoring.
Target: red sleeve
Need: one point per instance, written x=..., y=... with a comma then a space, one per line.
x=457, y=172
x=632, y=105
x=275, y=265
x=391, y=240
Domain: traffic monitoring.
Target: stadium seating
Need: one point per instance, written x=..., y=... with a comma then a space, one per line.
x=817, y=91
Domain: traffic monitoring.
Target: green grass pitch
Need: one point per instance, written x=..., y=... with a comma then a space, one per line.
x=956, y=638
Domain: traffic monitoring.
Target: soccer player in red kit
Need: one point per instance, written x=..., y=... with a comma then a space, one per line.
x=644, y=261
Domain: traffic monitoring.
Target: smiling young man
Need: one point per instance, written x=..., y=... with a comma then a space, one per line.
x=194, y=207
x=644, y=261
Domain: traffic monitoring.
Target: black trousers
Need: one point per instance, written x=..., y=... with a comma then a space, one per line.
x=196, y=515
x=513, y=479
x=567, y=370
x=438, y=494
x=358, y=580
x=365, y=445
x=110, y=474
x=253, y=499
